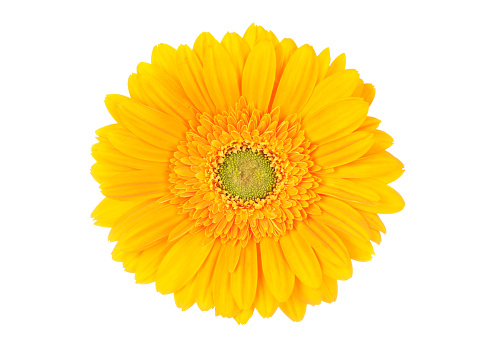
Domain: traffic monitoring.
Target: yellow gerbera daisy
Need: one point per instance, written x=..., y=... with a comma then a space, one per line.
x=244, y=174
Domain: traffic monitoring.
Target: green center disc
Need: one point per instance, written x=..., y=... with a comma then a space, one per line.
x=247, y=175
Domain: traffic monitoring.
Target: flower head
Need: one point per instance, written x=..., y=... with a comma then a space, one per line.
x=244, y=174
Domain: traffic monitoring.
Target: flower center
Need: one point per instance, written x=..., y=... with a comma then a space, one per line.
x=247, y=174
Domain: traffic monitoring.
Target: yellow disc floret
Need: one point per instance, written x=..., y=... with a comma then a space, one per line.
x=247, y=174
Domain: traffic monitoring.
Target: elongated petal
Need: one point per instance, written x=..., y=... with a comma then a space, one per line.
x=164, y=57
x=390, y=201
x=245, y=276
x=149, y=261
x=348, y=190
x=135, y=185
x=181, y=263
x=186, y=296
x=339, y=64
x=221, y=78
x=307, y=294
x=161, y=130
x=225, y=304
x=202, y=44
x=243, y=317
x=297, y=81
x=205, y=299
x=165, y=94
x=329, y=91
x=301, y=259
x=294, y=308
x=151, y=226
x=368, y=93
x=329, y=249
x=277, y=273
x=109, y=211
x=343, y=150
x=239, y=50
x=329, y=289
x=105, y=152
x=284, y=50
x=337, y=120
x=382, y=141
x=103, y=170
x=190, y=74
x=324, y=60
x=259, y=75
x=126, y=142
x=382, y=165
x=256, y=33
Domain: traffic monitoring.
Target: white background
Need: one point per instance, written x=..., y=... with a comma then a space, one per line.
x=431, y=283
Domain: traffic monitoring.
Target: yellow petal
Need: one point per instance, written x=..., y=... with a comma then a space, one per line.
x=294, y=308
x=202, y=44
x=255, y=33
x=105, y=152
x=181, y=263
x=370, y=124
x=368, y=93
x=182, y=228
x=244, y=278
x=186, y=296
x=324, y=60
x=375, y=236
x=221, y=78
x=382, y=141
x=382, y=165
x=259, y=74
x=225, y=305
x=129, y=260
x=265, y=302
x=109, y=211
x=349, y=225
x=102, y=170
x=312, y=296
x=164, y=57
x=277, y=273
x=284, y=50
x=301, y=259
x=330, y=90
x=297, y=81
x=243, y=317
x=153, y=225
x=337, y=65
x=347, y=190
x=329, y=289
x=149, y=261
x=135, y=185
x=342, y=217
x=390, y=200
x=239, y=50
x=112, y=103
x=121, y=223
x=233, y=253
x=329, y=249
x=343, y=150
x=373, y=220
x=163, y=93
x=159, y=129
x=205, y=298
x=337, y=120
x=126, y=142
x=190, y=73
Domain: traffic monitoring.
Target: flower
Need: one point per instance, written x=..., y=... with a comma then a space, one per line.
x=244, y=174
